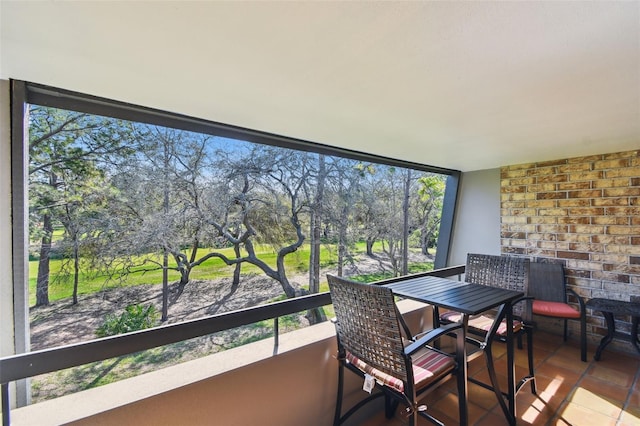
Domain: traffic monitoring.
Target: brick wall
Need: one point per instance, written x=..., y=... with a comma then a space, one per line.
x=584, y=211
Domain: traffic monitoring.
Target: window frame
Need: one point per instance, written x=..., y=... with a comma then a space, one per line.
x=23, y=93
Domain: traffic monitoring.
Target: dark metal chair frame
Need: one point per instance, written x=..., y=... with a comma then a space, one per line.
x=509, y=272
x=547, y=282
x=369, y=326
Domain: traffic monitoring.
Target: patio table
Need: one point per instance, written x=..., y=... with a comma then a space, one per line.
x=468, y=299
x=609, y=308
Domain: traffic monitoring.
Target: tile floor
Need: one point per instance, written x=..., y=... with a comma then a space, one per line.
x=570, y=392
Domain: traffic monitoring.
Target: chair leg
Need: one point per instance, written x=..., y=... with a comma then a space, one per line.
x=530, y=355
x=494, y=379
x=336, y=416
x=519, y=340
x=413, y=420
x=390, y=406
x=583, y=337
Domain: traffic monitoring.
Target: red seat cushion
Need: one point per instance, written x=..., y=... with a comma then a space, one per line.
x=555, y=309
x=481, y=323
x=428, y=366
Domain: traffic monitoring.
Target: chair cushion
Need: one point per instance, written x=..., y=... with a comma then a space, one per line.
x=481, y=323
x=428, y=365
x=555, y=309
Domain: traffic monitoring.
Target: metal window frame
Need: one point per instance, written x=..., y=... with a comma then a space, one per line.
x=66, y=99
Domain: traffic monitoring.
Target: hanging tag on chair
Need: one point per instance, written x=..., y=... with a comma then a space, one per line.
x=369, y=383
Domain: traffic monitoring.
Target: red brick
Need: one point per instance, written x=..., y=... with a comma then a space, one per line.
x=625, y=172
x=586, y=247
x=583, y=220
x=573, y=255
x=623, y=211
x=593, y=193
x=574, y=202
x=551, y=195
x=551, y=228
x=551, y=163
x=506, y=173
x=621, y=192
x=552, y=212
x=567, y=186
x=623, y=154
x=611, y=163
x=611, y=220
x=610, y=239
x=623, y=230
x=610, y=202
x=553, y=178
x=541, y=203
x=519, y=181
x=574, y=167
x=592, y=211
x=586, y=159
x=575, y=238
x=593, y=175
x=514, y=189
x=611, y=183
x=586, y=229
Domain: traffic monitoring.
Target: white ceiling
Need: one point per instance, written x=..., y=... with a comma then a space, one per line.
x=462, y=85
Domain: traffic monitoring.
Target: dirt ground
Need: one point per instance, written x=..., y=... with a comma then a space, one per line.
x=64, y=323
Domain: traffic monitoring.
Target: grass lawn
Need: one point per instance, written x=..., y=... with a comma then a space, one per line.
x=61, y=277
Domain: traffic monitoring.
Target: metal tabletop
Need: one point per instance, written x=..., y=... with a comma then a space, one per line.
x=463, y=297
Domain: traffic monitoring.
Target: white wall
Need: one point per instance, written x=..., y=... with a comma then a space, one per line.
x=476, y=227
x=6, y=283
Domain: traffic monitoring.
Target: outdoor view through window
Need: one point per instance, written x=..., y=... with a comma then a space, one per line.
x=134, y=225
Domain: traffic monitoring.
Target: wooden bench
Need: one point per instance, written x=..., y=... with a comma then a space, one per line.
x=609, y=308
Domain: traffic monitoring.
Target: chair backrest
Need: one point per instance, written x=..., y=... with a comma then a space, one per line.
x=547, y=282
x=368, y=326
x=508, y=272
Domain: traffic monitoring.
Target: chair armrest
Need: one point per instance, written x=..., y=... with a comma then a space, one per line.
x=580, y=300
x=523, y=298
x=431, y=335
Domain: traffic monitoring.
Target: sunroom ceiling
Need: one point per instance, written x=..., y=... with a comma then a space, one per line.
x=462, y=85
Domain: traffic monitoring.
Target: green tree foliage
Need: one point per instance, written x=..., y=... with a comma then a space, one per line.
x=136, y=198
x=134, y=318
x=65, y=146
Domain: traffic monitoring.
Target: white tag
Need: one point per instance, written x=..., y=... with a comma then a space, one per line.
x=369, y=383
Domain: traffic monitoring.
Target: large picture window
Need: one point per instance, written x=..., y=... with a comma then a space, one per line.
x=138, y=217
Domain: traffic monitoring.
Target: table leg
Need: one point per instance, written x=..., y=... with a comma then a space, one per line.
x=508, y=407
x=511, y=368
x=463, y=402
x=634, y=333
x=611, y=331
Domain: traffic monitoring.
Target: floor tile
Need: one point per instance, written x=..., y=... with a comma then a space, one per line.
x=570, y=392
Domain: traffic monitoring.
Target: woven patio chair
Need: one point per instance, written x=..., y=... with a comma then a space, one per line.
x=371, y=344
x=547, y=285
x=483, y=330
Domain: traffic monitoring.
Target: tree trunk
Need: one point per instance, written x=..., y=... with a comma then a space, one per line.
x=42, y=284
x=76, y=268
x=165, y=252
x=237, y=270
x=405, y=225
x=370, y=242
x=165, y=285
x=342, y=239
x=316, y=229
